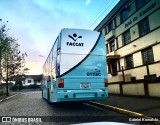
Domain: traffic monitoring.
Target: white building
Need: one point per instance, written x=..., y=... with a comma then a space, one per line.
x=30, y=80
x=132, y=37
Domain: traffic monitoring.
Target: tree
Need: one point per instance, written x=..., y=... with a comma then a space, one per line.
x=12, y=61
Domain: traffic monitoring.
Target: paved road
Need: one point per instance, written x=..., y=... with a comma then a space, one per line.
x=143, y=105
x=31, y=104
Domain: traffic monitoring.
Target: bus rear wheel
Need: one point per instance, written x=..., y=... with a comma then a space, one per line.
x=42, y=93
x=48, y=96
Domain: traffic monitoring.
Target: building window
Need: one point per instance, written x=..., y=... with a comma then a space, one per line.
x=126, y=37
x=141, y=3
x=112, y=45
x=147, y=55
x=107, y=48
x=110, y=26
x=129, y=62
x=144, y=27
x=150, y=77
x=114, y=68
x=104, y=31
x=29, y=81
x=124, y=14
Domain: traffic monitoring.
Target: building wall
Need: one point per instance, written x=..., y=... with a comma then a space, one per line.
x=115, y=89
x=138, y=43
x=137, y=57
x=156, y=52
x=26, y=83
x=134, y=89
x=154, y=89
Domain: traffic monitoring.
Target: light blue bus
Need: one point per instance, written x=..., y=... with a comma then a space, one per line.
x=75, y=69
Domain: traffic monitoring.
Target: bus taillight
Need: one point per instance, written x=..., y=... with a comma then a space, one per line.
x=106, y=82
x=61, y=83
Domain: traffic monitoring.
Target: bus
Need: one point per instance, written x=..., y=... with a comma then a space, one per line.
x=75, y=69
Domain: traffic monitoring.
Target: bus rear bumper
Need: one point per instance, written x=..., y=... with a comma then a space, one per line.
x=82, y=95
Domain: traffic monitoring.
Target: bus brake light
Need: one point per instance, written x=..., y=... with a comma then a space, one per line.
x=61, y=83
x=106, y=82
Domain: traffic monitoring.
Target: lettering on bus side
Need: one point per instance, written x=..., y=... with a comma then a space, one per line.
x=96, y=73
x=74, y=44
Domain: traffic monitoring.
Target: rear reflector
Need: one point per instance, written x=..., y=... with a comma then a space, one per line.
x=106, y=82
x=61, y=83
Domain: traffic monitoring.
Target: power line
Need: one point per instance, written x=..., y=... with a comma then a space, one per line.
x=98, y=12
x=100, y=16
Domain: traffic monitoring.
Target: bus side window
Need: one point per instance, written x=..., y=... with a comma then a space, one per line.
x=48, y=79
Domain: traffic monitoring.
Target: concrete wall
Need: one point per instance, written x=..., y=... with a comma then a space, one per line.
x=111, y=78
x=155, y=69
x=134, y=32
x=154, y=89
x=120, y=41
x=133, y=89
x=114, y=89
x=136, y=89
x=139, y=73
x=137, y=57
x=156, y=52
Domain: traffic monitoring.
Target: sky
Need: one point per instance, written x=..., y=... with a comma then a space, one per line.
x=36, y=23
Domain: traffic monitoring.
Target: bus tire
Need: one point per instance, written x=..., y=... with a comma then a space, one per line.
x=48, y=97
x=42, y=93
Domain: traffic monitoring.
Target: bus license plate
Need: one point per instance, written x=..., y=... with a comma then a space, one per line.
x=85, y=85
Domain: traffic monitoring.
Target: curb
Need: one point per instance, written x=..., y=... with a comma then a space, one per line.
x=123, y=111
x=9, y=97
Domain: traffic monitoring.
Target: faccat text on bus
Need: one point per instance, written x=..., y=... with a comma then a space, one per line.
x=74, y=44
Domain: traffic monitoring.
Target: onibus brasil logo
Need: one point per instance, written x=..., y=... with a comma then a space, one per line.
x=74, y=37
